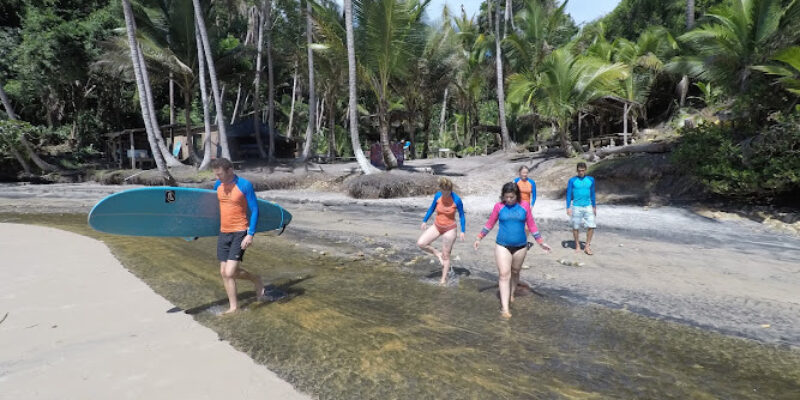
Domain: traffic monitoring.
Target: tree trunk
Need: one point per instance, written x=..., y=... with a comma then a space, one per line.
x=140, y=83
x=501, y=101
x=236, y=103
x=187, y=101
x=331, y=130
x=204, y=99
x=352, y=108
x=257, y=86
x=291, y=108
x=312, y=95
x=270, y=83
x=171, y=100
x=170, y=160
x=389, y=160
x=443, y=114
x=565, y=146
x=212, y=72
x=689, y=15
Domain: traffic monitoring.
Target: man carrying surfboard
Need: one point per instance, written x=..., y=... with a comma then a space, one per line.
x=236, y=196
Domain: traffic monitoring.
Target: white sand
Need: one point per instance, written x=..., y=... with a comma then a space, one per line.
x=79, y=326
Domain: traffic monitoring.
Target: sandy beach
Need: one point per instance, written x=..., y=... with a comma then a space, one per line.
x=79, y=326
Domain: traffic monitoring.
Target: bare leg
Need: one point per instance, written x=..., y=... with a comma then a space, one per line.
x=589, y=234
x=425, y=240
x=516, y=266
x=448, y=238
x=503, y=258
x=230, y=272
x=576, y=236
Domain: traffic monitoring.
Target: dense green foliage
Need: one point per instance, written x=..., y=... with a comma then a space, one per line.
x=423, y=75
x=734, y=162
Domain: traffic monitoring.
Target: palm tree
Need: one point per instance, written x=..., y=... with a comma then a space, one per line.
x=501, y=105
x=201, y=25
x=564, y=85
x=204, y=99
x=352, y=109
x=735, y=38
x=312, y=94
x=141, y=83
x=789, y=76
x=387, y=28
x=260, y=17
x=270, y=82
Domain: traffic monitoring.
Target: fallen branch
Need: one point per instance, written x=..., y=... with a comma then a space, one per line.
x=660, y=147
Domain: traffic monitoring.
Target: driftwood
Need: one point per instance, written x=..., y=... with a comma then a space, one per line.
x=660, y=147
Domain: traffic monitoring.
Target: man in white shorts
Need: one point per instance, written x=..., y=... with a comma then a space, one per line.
x=581, y=207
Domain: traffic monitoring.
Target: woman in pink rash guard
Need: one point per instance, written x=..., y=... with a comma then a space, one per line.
x=512, y=242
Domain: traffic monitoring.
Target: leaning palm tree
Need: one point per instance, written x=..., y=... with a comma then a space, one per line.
x=565, y=85
x=212, y=73
x=204, y=99
x=141, y=83
x=352, y=109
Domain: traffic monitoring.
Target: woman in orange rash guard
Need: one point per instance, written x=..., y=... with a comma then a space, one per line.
x=445, y=203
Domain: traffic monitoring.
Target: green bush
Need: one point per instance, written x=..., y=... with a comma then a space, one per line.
x=759, y=167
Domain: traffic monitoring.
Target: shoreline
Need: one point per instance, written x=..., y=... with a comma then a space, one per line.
x=64, y=318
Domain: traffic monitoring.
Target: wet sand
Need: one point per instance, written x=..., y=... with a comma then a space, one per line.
x=78, y=325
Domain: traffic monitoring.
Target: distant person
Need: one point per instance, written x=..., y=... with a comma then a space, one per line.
x=512, y=241
x=445, y=203
x=582, y=207
x=236, y=195
x=527, y=187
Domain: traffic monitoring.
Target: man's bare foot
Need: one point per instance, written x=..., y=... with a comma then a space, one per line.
x=588, y=250
x=577, y=248
x=511, y=299
x=230, y=311
x=443, y=283
x=258, y=287
x=505, y=314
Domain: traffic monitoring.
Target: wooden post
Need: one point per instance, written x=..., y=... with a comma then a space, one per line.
x=625, y=109
x=133, y=151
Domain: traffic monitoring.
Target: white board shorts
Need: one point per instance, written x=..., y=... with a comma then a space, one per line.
x=583, y=216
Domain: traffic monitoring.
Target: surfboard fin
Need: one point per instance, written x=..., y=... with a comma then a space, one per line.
x=190, y=238
x=283, y=229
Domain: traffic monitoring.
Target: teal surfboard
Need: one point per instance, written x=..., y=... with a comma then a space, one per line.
x=173, y=211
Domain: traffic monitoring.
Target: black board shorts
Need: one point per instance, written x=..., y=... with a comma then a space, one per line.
x=229, y=246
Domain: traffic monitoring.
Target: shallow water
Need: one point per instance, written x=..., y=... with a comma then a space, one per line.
x=368, y=329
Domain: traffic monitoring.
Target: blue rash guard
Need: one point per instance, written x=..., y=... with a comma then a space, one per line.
x=234, y=202
x=513, y=220
x=459, y=206
x=580, y=192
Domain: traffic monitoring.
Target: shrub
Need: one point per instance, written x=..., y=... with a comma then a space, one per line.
x=760, y=166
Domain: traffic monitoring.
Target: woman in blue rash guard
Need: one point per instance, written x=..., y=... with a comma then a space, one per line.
x=512, y=242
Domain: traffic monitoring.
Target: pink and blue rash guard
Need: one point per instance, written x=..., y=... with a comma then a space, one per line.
x=235, y=199
x=512, y=224
x=441, y=218
x=580, y=192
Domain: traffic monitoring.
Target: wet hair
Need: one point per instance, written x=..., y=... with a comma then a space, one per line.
x=223, y=163
x=581, y=165
x=523, y=167
x=445, y=184
x=510, y=187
